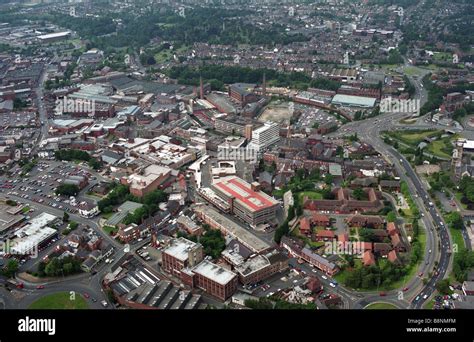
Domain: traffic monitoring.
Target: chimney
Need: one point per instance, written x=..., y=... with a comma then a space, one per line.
x=201, y=88
x=264, y=85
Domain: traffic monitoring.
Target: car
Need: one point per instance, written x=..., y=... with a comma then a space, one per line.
x=420, y=274
x=324, y=277
x=405, y=289
x=40, y=287
x=94, y=300
x=425, y=296
x=332, y=284
x=104, y=303
x=382, y=294
x=86, y=295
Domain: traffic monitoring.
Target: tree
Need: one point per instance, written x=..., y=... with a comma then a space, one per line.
x=455, y=220
x=443, y=286
x=11, y=268
x=359, y=194
x=67, y=190
x=391, y=216
x=65, y=217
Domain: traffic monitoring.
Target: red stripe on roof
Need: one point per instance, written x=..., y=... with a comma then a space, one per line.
x=265, y=203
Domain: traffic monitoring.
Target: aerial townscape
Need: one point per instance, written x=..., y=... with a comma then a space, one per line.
x=237, y=154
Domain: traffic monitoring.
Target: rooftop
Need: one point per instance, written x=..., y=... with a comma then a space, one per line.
x=214, y=272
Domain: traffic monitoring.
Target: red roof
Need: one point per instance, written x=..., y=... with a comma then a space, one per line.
x=305, y=224
x=392, y=256
x=368, y=258
x=320, y=218
x=239, y=190
x=391, y=228
x=343, y=237
x=325, y=234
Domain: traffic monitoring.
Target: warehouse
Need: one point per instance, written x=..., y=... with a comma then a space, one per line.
x=353, y=101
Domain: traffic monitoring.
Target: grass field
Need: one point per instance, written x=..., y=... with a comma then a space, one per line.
x=380, y=306
x=60, y=300
x=310, y=194
x=456, y=235
x=439, y=148
x=413, y=138
x=110, y=230
x=459, y=196
x=443, y=148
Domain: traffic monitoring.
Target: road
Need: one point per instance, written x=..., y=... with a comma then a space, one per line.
x=369, y=131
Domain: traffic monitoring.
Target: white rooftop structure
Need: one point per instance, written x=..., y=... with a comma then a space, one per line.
x=214, y=272
x=179, y=248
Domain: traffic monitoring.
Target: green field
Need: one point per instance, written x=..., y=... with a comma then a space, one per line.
x=60, y=300
x=442, y=148
x=110, y=229
x=380, y=306
x=413, y=71
x=457, y=238
x=459, y=196
x=310, y=194
x=439, y=148
x=413, y=138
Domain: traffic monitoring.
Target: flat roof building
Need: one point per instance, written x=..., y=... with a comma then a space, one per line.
x=214, y=279
x=181, y=253
x=246, y=200
x=228, y=227
x=149, y=180
x=353, y=101
x=265, y=136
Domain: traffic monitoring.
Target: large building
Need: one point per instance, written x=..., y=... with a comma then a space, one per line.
x=228, y=227
x=261, y=267
x=34, y=235
x=147, y=181
x=180, y=254
x=213, y=279
x=246, y=201
x=243, y=93
x=265, y=136
x=353, y=101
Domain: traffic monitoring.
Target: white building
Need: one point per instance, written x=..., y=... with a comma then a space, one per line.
x=265, y=136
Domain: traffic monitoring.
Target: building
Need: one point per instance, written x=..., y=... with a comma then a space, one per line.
x=180, y=254
x=265, y=136
x=80, y=181
x=148, y=180
x=320, y=262
x=53, y=37
x=213, y=279
x=88, y=209
x=243, y=93
x=34, y=235
x=228, y=227
x=246, y=201
x=353, y=101
x=345, y=203
x=261, y=267
x=468, y=288
x=132, y=232
x=187, y=224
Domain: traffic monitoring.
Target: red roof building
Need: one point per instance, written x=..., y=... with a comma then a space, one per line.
x=368, y=258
